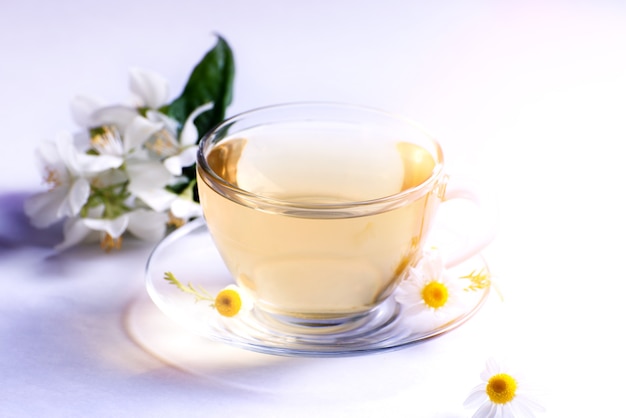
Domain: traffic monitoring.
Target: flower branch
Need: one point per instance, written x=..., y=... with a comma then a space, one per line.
x=132, y=167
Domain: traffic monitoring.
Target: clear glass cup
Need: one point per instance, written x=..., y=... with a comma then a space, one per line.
x=319, y=210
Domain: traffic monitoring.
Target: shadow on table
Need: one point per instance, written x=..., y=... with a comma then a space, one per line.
x=231, y=367
x=16, y=230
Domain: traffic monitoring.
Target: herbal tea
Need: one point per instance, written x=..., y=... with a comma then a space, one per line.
x=303, y=249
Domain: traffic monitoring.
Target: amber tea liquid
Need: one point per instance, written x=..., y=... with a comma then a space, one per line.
x=314, y=255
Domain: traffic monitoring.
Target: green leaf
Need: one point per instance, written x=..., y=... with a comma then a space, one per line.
x=210, y=81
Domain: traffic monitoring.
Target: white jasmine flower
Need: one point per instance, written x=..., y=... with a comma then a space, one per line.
x=67, y=171
x=502, y=395
x=107, y=140
x=127, y=170
x=147, y=178
x=182, y=152
x=150, y=90
x=431, y=298
x=164, y=143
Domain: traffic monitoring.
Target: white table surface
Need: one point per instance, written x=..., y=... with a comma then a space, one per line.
x=527, y=98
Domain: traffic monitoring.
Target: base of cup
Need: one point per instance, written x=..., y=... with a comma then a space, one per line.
x=362, y=323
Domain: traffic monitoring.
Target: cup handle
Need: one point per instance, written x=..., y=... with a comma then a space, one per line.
x=488, y=216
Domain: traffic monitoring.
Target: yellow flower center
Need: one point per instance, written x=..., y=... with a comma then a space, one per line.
x=435, y=294
x=162, y=143
x=501, y=388
x=52, y=178
x=106, y=140
x=228, y=302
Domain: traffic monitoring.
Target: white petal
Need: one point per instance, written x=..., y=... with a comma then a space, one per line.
x=146, y=175
x=408, y=292
x=188, y=156
x=139, y=131
x=527, y=404
x=94, y=164
x=185, y=209
x=68, y=153
x=77, y=196
x=48, y=158
x=83, y=108
x=185, y=158
x=43, y=208
x=432, y=266
x=476, y=396
x=120, y=116
x=75, y=232
x=173, y=165
x=82, y=140
x=147, y=225
x=157, y=199
x=109, y=178
x=506, y=411
x=79, y=164
x=487, y=410
x=492, y=367
x=151, y=87
x=189, y=133
x=519, y=410
x=114, y=227
x=169, y=123
x=247, y=302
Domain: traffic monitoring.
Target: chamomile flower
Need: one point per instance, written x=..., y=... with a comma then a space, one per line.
x=430, y=296
x=228, y=303
x=232, y=301
x=502, y=394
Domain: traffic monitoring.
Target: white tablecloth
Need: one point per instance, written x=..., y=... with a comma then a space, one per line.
x=527, y=99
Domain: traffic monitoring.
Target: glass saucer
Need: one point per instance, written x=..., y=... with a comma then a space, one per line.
x=189, y=253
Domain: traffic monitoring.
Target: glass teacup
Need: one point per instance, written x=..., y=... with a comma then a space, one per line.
x=319, y=210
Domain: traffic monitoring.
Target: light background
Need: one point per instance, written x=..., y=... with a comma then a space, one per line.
x=527, y=98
